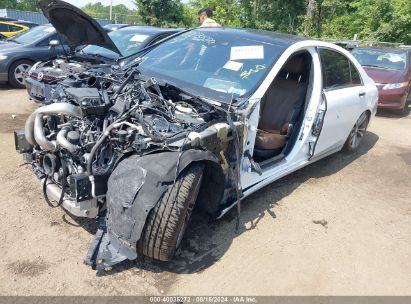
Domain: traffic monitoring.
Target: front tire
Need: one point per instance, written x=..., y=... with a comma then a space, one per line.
x=357, y=133
x=18, y=72
x=167, y=221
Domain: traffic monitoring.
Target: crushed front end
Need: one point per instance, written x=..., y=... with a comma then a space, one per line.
x=96, y=121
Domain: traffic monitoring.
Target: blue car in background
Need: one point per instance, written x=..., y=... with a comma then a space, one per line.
x=19, y=53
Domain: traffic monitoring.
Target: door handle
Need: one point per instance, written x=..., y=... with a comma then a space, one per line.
x=361, y=94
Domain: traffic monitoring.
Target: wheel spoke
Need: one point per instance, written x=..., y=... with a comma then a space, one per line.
x=360, y=133
x=20, y=73
x=354, y=141
x=362, y=119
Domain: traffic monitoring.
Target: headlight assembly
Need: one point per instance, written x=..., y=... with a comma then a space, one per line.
x=391, y=86
x=3, y=57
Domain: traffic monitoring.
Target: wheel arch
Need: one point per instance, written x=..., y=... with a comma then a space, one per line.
x=211, y=188
x=138, y=183
x=18, y=59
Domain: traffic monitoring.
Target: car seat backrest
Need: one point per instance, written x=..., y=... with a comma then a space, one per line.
x=282, y=96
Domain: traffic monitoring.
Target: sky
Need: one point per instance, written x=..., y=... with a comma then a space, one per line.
x=80, y=3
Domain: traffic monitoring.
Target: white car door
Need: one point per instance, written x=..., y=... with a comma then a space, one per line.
x=344, y=97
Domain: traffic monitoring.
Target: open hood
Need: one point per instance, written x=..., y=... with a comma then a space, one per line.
x=76, y=26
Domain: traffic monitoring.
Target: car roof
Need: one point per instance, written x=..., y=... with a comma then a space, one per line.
x=116, y=25
x=380, y=48
x=47, y=25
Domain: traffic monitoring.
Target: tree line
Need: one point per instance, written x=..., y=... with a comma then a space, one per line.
x=370, y=20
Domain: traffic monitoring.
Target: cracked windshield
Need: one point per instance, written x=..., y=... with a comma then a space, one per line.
x=215, y=60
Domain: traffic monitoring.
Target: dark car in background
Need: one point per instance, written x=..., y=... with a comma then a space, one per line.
x=19, y=53
x=391, y=70
x=128, y=40
x=115, y=26
x=107, y=49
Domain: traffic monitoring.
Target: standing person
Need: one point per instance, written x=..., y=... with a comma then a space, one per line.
x=204, y=17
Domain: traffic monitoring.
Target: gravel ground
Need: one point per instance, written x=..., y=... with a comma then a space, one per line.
x=341, y=226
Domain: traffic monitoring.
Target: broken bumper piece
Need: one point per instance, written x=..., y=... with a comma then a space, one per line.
x=106, y=250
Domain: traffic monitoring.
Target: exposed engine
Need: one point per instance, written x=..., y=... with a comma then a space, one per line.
x=44, y=76
x=94, y=121
x=57, y=69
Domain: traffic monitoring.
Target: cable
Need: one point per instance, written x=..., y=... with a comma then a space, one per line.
x=63, y=186
x=238, y=161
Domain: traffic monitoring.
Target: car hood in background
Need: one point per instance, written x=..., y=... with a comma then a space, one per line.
x=75, y=26
x=385, y=75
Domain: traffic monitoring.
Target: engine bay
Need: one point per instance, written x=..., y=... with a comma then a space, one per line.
x=97, y=118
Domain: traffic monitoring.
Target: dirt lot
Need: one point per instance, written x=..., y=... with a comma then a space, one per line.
x=365, y=247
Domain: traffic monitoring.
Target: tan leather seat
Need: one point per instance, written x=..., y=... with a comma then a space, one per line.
x=278, y=105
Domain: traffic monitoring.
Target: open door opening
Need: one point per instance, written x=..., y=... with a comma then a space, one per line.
x=282, y=109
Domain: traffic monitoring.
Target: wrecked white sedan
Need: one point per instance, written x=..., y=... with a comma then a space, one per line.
x=202, y=120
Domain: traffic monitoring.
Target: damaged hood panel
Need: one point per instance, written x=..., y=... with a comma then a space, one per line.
x=75, y=26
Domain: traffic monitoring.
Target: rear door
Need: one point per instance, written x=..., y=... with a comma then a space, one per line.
x=343, y=95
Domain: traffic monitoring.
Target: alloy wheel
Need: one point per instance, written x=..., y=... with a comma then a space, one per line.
x=20, y=72
x=358, y=131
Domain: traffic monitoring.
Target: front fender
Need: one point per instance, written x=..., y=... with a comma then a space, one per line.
x=134, y=188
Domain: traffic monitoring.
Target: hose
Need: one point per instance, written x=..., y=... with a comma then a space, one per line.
x=63, y=186
x=124, y=84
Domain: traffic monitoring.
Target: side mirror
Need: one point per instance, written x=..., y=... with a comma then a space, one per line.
x=53, y=43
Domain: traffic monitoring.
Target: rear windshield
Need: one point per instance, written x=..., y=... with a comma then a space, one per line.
x=384, y=59
x=34, y=34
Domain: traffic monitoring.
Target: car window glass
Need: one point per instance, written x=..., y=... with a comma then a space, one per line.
x=215, y=60
x=355, y=75
x=337, y=70
x=127, y=40
x=44, y=42
x=34, y=35
x=14, y=28
x=380, y=58
x=4, y=27
x=157, y=39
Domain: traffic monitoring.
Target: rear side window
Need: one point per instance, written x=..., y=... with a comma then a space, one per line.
x=4, y=27
x=355, y=75
x=14, y=28
x=338, y=71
